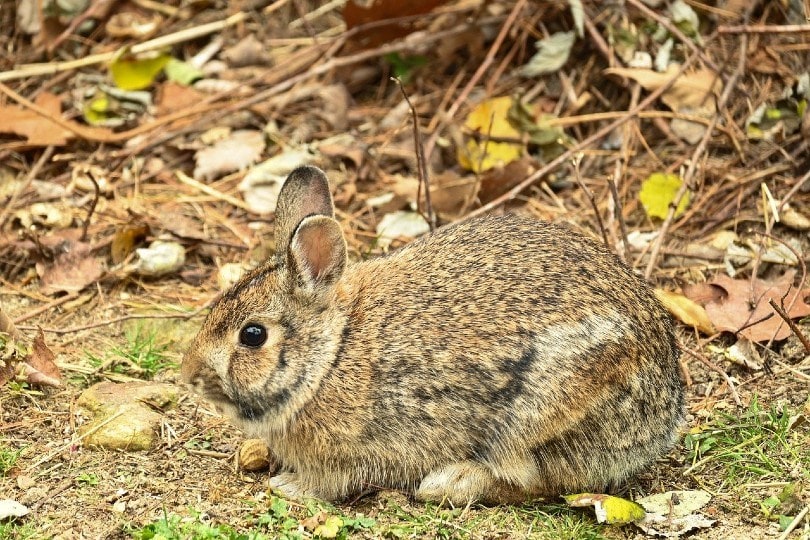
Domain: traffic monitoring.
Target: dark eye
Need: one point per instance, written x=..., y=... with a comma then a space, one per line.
x=253, y=335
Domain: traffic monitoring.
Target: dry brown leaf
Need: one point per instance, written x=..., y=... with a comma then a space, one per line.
x=498, y=180
x=40, y=368
x=733, y=309
x=685, y=310
x=234, y=153
x=693, y=90
x=37, y=130
x=126, y=239
x=172, y=96
x=73, y=269
x=381, y=10
x=248, y=52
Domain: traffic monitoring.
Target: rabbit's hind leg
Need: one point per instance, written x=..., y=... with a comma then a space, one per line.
x=465, y=482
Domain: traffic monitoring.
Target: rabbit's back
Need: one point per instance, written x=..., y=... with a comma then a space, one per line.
x=510, y=342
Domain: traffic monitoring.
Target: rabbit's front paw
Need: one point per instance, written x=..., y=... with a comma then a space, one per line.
x=291, y=487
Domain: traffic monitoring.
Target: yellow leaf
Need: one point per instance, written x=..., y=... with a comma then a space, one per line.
x=658, y=192
x=686, y=310
x=608, y=509
x=131, y=73
x=694, y=90
x=330, y=528
x=491, y=120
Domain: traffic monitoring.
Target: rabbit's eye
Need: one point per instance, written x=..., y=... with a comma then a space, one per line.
x=253, y=335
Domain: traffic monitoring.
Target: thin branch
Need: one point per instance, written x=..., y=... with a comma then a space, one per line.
x=796, y=330
x=46, y=155
x=421, y=165
x=589, y=194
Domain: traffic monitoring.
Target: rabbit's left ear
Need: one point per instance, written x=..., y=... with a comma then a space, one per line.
x=316, y=254
x=304, y=193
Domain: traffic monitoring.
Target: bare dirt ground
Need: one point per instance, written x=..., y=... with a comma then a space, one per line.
x=90, y=171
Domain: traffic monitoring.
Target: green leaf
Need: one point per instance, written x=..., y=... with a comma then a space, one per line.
x=135, y=73
x=608, y=509
x=182, y=72
x=658, y=192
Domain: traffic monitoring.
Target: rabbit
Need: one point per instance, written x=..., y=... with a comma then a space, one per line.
x=495, y=360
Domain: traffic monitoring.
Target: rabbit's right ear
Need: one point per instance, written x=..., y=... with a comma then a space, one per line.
x=304, y=193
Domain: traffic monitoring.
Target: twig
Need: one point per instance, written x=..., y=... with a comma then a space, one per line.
x=764, y=29
x=122, y=319
x=714, y=367
x=96, y=195
x=208, y=190
x=562, y=158
x=782, y=203
x=618, y=212
x=421, y=165
x=46, y=155
x=796, y=330
x=589, y=194
x=71, y=295
x=52, y=492
x=465, y=92
x=187, y=34
x=795, y=523
x=700, y=149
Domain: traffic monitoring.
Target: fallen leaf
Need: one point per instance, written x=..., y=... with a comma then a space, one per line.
x=330, y=528
x=262, y=183
x=552, y=54
x=73, y=269
x=40, y=368
x=744, y=353
x=491, y=120
x=37, y=130
x=733, y=310
x=172, y=96
x=685, y=310
x=125, y=240
x=131, y=24
x=400, y=224
x=181, y=72
x=234, y=153
x=356, y=15
x=136, y=73
x=608, y=509
x=673, y=514
x=249, y=51
x=658, y=193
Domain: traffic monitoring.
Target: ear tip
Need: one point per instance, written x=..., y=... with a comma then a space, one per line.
x=307, y=174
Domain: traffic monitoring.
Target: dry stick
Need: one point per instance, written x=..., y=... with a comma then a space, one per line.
x=674, y=30
x=421, y=165
x=591, y=198
x=182, y=36
x=796, y=330
x=700, y=149
x=562, y=158
x=782, y=204
x=618, y=210
x=96, y=195
x=764, y=29
x=124, y=318
x=46, y=155
x=795, y=523
x=72, y=295
x=714, y=367
x=479, y=73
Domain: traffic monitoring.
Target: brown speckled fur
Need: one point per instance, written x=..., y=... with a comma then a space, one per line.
x=495, y=360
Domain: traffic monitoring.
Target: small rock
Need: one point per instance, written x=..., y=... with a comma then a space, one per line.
x=25, y=482
x=123, y=416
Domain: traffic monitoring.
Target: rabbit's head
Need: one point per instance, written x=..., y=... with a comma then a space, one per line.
x=264, y=347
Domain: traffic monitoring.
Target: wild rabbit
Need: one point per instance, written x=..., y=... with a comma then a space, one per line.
x=495, y=360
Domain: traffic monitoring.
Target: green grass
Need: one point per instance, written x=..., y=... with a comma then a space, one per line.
x=16, y=530
x=144, y=355
x=759, y=445
x=279, y=520
x=8, y=457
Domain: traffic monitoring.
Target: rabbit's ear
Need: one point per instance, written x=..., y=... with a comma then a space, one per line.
x=317, y=253
x=304, y=193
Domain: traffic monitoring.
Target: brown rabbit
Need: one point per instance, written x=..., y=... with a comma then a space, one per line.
x=495, y=360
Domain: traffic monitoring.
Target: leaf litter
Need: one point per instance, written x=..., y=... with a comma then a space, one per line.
x=309, y=82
